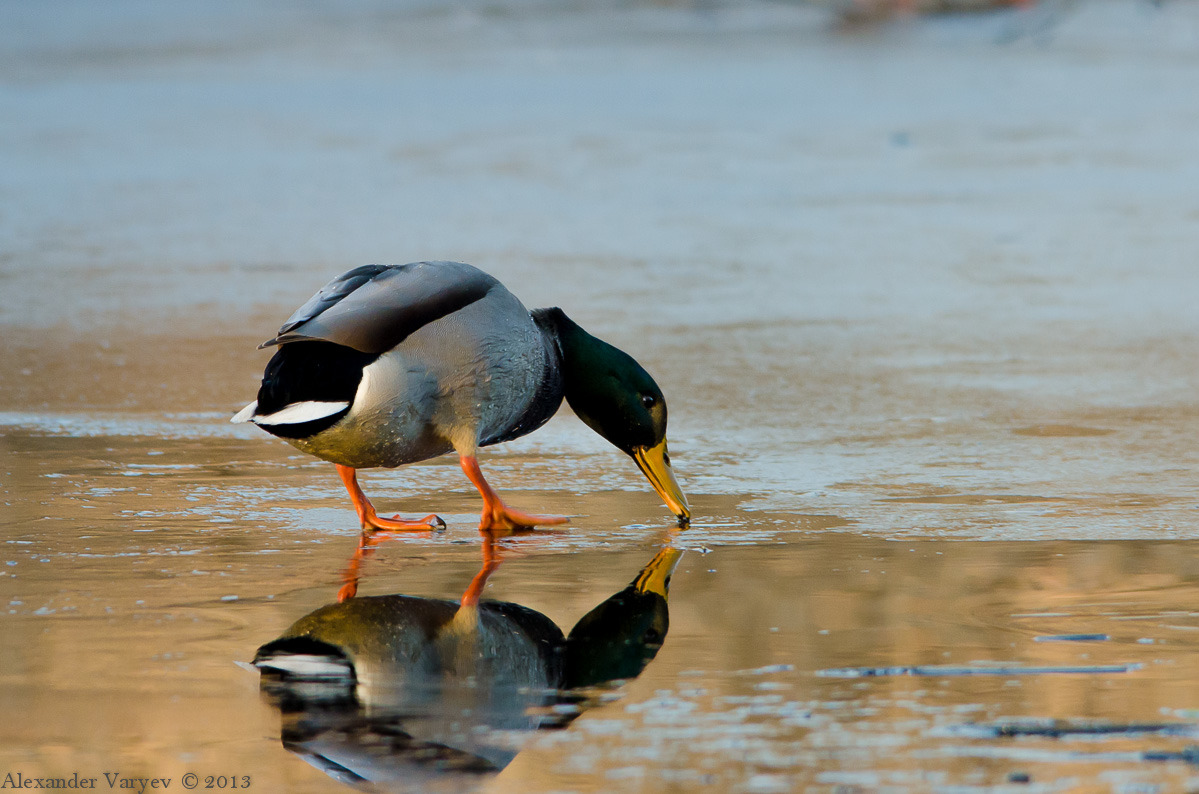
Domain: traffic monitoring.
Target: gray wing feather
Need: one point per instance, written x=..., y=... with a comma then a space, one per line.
x=373, y=308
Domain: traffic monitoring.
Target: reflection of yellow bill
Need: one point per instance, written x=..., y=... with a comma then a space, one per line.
x=655, y=577
x=654, y=463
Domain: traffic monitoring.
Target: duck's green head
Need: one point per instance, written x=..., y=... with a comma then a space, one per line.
x=618, y=399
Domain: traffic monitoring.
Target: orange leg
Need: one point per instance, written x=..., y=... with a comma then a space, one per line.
x=497, y=515
x=370, y=519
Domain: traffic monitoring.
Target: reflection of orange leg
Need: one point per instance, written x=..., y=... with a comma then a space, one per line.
x=491, y=561
x=349, y=577
x=370, y=519
x=497, y=515
x=367, y=543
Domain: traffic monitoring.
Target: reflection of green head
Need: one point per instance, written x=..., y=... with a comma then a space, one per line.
x=618, y=638
x=615, y=640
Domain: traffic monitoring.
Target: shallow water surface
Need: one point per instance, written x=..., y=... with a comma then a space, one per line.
x=921, y=298
x=139, y=569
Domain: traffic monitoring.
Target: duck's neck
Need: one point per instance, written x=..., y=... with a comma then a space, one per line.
x=581, y=356
x=599, y=381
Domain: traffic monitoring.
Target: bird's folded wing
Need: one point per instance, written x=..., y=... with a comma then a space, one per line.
x=373, y=308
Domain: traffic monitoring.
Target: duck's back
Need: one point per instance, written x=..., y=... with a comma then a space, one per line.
x=449, y=359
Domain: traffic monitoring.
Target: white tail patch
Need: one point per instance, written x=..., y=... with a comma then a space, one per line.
x=298, y=413
x=245, y=414
x=306, y=665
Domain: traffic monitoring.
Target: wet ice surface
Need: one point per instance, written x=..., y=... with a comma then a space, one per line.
x=800, y=653
x=921, y=299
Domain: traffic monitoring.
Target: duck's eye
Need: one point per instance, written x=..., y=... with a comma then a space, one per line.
x=648, y=400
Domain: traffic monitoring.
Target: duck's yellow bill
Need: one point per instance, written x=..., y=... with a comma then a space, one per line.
x=654, y=463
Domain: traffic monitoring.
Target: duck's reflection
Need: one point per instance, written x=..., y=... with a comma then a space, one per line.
x=418, y=692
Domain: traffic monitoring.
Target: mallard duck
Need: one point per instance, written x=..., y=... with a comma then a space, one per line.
x=393, y=364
